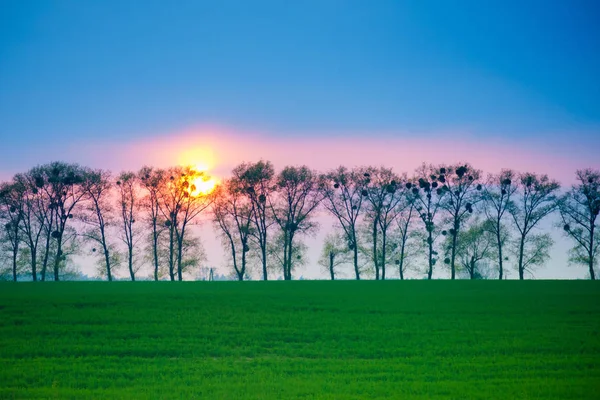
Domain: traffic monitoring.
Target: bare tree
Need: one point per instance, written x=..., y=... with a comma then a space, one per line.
x=33, y=220
x=344, y=192
x=258, y=179
x=497, y=195
x=462, y=181
x=401, y=237
x=180, y=203
x=11, y=212
x=61, y=185
x=334, y=254
x=151, y=181
x=129, y=206
x=428, y=195
x=535, y=199
x=293, y=206
x=384, y=201
x=579, y=209
x=232, y=213
x=98, y=214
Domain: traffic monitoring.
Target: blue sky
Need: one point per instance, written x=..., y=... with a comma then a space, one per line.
x=129, y=69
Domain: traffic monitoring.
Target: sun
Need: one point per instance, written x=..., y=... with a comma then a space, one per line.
x=203, y=184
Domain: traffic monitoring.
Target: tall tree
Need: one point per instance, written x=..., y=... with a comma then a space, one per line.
x=295, y=201
x=128, y=194
x=61, y=184
x=428, y=194
x=181, y=203
x=462, y=181
x=579, y=209
x=151, y=181
x=232, y=214
x=33, y=221
x=344, y=193
x=98, y=215
x=384, y=203
x=11, y=212
x=535, y=199
x=497, y=195
x=402, y=235
x=258, y=178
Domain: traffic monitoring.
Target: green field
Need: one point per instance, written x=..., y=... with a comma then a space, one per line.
x=284, y=340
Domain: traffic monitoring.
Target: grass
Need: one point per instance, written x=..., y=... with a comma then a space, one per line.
x=284, y=340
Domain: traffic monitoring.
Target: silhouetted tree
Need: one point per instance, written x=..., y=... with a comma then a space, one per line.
x=497, y=194
x=61, y=185
x=462, y=181
x=11, y=215
x=293, y=205
x=258, y=178
x=232, y=213
x=385, y=196
x=344, y=193
x=535, y=199
x=579, y=209
x=32, y=225
x=404, y=248
x=128, y=196
x=428, y=192
x=98, y=215
x=151, y=181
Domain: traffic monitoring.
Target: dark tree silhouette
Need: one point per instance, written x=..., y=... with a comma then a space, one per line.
x=11, y=213
x=129, y=205
x=232, y=213
x=579, y=209
x=98, y=215
x=497, y=194
x=385, y=195
x=258, y=178
x=535, y=199
x=61, y=185
x=293, y=205
x=151, y=181
x=344, y=193
x=428, y=191
x=462, y=181
x=403, y=232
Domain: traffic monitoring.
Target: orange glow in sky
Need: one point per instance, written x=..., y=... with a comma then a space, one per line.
x=203, y=185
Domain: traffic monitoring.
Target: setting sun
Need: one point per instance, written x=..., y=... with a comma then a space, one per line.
x=202, y=184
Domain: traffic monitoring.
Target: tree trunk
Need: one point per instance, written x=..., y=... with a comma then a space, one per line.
x=57, y=257
x=263, y=249
x=14, y=262
x=383, y=242
x=155, y=251
x=454, y=239
x=171, y=255
x=34, y=263
x=46, y=255
x=591, y=253
x=402, y=249
x=375, y=259
x=331, y=267
x=499, y=240
x=356, y=271
x=430, y=256
x=521, y=250
x=131, y=263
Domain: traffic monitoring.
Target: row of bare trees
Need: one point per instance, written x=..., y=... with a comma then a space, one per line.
x=448, y=216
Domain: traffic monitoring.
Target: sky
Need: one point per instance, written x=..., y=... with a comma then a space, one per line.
x=119, y=84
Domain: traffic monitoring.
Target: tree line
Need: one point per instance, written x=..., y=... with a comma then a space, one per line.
x=441, y=216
